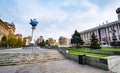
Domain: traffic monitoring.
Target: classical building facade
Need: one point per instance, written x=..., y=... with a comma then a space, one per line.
x=6, y=28
x=52, y=41
x=27, y=40
x=40, y=39
x=19, y=36
x=108, y=34
x=63, y=42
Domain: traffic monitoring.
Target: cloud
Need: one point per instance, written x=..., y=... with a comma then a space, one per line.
x=60, y=18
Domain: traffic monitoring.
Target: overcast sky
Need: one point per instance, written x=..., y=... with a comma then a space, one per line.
x=57, y=17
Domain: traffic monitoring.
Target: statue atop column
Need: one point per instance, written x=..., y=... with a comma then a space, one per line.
x=34, y=24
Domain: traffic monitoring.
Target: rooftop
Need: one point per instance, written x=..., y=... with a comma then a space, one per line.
x=101, y=26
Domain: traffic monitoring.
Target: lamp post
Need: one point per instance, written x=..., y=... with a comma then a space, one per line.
x=34, y=24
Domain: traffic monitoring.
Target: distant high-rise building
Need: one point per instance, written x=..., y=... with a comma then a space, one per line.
x=63, y=42
x=27, y=40
x=19, y=36
x=40, y=40
x=52, y=41
x=30, y=38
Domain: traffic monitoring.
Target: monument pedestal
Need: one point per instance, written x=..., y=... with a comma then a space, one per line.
x=32, y=43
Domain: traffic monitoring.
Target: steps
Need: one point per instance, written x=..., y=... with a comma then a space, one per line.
x=113, y=61
x=29, y=58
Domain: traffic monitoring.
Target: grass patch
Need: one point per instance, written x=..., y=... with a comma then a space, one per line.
x=110, y=49
x=73, y=51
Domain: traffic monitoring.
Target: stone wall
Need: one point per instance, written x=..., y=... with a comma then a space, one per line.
x=28, y=58
x=93, y=61
x=67, y=55
x=102, y=52
x=97, y=62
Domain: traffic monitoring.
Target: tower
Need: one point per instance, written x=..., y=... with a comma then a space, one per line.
x=118, y=12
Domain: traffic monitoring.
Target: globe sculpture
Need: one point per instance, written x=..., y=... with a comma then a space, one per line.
x=34, y=23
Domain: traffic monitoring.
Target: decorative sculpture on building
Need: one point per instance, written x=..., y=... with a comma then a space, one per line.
x=114, y=38
x=118, y=12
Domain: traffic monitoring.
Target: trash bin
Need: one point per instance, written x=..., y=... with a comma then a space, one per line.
x=82, y=59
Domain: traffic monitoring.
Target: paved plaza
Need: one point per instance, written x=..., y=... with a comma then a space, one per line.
x=52, y=66
x=26, y=50
x=62, y=66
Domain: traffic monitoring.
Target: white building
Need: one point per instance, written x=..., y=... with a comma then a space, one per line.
x=105, y=33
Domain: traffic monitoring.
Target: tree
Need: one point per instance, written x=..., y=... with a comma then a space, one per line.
x=94, y=42
x=47, y=43
x=41, y=43
x=11, y=41
x=19, y=43
x=3, y=41
x=76, y=39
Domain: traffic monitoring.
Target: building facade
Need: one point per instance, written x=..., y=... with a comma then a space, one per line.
x=6, y=29
x=19, y=36
x=40, y=39
x=108, y=34
x=52, y=41
x=27, y=40
x=63, y=42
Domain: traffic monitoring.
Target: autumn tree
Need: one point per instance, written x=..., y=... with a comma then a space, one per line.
x=11, y=41
x=3, y=41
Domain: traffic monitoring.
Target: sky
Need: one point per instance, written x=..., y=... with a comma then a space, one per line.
x=57, y=17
